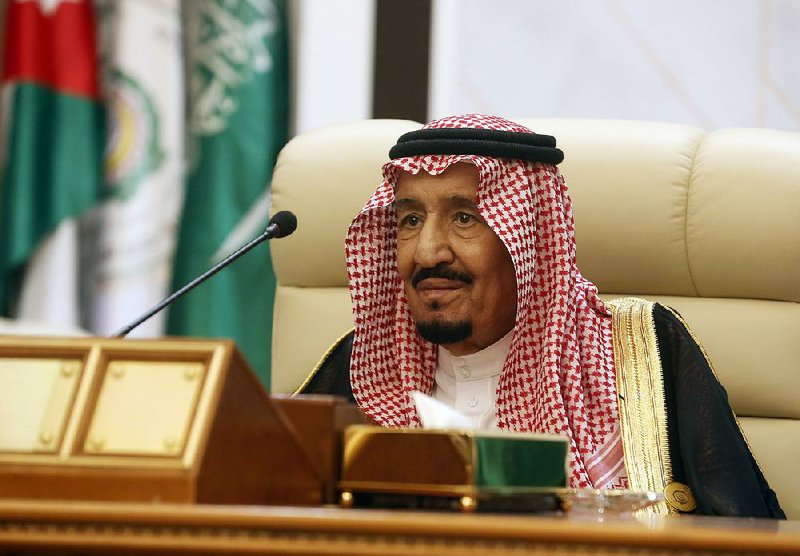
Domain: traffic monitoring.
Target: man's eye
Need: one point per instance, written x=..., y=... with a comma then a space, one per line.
x=410, y=221
x=464, y=218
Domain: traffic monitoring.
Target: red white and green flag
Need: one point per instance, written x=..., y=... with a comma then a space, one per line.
x=51, y=154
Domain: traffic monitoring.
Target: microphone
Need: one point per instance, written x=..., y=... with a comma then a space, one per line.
x=284, y=223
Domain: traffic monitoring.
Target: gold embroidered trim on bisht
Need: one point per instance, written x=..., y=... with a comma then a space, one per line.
x=640, y=389
x=316, y=369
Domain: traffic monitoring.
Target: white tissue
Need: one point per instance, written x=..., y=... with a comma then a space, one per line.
x=434, y=414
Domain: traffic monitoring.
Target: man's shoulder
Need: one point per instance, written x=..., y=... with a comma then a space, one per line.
x=638, y=317
x=332, y=374
x=627, y=308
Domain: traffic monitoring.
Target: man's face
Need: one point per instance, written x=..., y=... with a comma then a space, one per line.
x=457, y=274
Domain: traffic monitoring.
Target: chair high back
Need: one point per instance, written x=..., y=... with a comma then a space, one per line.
x=706, y=223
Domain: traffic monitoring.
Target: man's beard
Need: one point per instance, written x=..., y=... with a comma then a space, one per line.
x=439, y=331
x=443, y=332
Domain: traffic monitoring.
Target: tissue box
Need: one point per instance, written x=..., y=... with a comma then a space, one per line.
x=467, y=470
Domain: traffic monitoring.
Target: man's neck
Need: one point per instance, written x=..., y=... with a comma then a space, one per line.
x=473, y=345
x=501, y=343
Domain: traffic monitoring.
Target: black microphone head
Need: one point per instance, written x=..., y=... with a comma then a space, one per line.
x=285, y=221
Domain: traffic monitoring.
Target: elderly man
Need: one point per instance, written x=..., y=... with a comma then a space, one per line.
x=464, y=286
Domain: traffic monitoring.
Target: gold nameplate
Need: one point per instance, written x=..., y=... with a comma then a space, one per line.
x=159, y=396
x=36, y=394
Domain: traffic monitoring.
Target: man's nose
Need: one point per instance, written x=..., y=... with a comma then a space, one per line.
x=433, y=245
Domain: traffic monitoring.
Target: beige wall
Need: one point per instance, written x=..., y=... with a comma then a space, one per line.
x=711, y=64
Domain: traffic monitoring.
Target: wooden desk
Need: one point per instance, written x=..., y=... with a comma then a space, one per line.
x=36, y=527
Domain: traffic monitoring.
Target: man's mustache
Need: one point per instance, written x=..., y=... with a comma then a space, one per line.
x=440, y=271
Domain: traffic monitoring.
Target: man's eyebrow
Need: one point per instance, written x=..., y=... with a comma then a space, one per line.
x=463, y=201
x=453, y=201
x=406, y=203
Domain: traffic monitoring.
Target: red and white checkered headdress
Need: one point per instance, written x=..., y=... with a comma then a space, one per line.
x=559, y=374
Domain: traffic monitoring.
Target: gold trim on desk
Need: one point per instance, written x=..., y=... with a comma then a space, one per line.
x=191, y=529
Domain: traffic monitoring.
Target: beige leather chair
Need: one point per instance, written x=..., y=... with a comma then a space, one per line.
x=708, y=223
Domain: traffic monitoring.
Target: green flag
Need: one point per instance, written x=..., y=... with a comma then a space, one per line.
x=53, y=139
x=237, y=122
